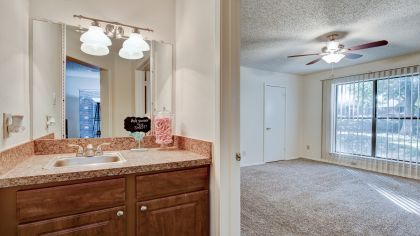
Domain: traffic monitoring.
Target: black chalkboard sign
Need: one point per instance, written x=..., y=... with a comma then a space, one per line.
x=137, y=124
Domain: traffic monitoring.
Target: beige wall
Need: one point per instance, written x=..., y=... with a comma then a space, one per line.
x=196, y=74
x=122, y=89
x=14, y=69
x=47, y=71
x=312, y=98
x=156, y=14
x=163, y=71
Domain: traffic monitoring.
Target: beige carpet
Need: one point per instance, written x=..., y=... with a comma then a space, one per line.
x=302, y=197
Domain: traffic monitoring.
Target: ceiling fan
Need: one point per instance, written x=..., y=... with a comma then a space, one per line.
x=333, y=52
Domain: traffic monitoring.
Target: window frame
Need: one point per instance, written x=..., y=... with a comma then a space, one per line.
x=374, y=118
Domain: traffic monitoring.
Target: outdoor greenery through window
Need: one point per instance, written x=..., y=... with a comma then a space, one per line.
x=379, y=118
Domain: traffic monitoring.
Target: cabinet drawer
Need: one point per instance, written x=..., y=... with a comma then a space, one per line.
x=68, y=199
x=103, y=222
x=171, y=183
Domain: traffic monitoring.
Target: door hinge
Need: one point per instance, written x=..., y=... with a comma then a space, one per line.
x=238, y=156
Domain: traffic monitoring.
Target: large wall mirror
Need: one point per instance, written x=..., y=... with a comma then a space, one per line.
x=77, y=95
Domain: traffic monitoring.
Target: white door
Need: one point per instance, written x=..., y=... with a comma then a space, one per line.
x=274, y=123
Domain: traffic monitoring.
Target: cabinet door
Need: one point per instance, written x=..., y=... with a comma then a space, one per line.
x=104, y=222
x=181, y=215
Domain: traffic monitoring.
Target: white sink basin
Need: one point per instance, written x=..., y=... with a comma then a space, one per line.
x=105, y=159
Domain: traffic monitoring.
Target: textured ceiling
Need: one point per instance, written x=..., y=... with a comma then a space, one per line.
x=273, y=29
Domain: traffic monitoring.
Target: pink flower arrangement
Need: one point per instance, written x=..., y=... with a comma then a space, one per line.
x=163, y=130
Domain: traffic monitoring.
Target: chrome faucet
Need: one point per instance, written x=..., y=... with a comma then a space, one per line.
x=89, y=151
x=80, y=151
x=99, y=151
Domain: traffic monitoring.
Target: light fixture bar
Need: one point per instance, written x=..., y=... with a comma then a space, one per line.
x=112, y=22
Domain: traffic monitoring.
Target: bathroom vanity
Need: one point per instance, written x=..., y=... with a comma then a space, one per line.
x=147, y=195
x=80, y=101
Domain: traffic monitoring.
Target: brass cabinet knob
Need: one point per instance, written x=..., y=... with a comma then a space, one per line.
x=120, y=213
x=143, y=208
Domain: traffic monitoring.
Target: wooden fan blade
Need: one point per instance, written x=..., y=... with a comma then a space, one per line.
x=304, y=55
x=352, y=55
x=369, y=45
x=313, y=62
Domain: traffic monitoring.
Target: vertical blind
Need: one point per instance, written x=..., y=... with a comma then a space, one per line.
x=372, y=121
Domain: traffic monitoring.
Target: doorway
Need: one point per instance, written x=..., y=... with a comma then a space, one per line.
x=86, y=86
x=274, y=123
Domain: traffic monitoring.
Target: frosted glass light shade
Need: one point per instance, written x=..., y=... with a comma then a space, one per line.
x=95, y=42
x=134, y=47
x=333, y=58
x=94, y=49
x=136, y=42
x=130, y=54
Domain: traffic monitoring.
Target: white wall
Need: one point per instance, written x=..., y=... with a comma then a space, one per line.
x=312, y=98
x=156, y=14
x=252, y=113
x=14, y=72
x=195, y=69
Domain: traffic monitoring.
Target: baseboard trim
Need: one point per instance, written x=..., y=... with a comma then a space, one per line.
x=377, y=166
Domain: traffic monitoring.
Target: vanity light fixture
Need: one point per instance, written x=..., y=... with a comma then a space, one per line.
x=110, y=30
x=94, y=41
x=114, y=31
x=134, y=46
x=119, y=32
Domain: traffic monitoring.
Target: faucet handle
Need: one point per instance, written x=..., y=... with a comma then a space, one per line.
x=99, y=148
x=79, y=149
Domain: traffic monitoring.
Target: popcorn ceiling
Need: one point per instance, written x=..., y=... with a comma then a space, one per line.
x=273, y=29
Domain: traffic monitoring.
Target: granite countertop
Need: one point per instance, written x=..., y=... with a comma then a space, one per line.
x=34, y=170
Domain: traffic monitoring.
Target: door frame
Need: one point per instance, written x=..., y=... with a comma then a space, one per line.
x=285, y=117
x=225, y=175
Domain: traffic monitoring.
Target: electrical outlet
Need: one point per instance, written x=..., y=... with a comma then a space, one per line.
x=308, y=147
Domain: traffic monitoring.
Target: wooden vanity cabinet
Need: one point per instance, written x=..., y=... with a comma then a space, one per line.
x=185, y=214
x=103, y=222
x=165, y=203
x=173, y=203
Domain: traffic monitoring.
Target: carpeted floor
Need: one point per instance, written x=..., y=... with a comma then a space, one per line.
x=302, y=197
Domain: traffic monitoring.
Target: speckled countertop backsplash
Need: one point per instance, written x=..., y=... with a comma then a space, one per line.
x=10, y=158
x=35, y=169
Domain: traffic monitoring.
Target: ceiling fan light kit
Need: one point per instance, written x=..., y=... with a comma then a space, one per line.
x=95, y=41
x=333, y=57
x=334, y=52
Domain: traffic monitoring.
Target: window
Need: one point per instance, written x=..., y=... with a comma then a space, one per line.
x=378, y=118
